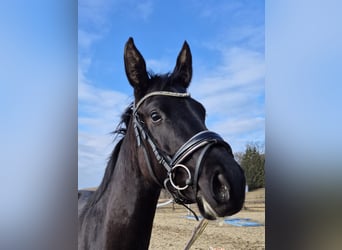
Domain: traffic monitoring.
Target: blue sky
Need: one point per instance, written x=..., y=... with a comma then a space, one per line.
x=227, y=43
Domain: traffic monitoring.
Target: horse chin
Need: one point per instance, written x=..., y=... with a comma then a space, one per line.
x=204, y=207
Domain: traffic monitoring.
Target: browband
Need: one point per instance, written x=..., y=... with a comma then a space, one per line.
x=163, y=93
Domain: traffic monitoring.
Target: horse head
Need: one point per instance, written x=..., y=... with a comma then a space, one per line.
x=176, y=150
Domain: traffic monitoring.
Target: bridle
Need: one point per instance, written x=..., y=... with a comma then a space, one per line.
x=203, y=140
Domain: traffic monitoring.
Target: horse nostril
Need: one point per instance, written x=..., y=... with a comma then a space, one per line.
x=221, y=188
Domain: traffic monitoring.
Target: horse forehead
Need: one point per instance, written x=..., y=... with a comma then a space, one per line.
x=172, y=104
x=165, y=82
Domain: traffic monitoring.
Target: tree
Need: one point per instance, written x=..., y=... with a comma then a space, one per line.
x=253, y=163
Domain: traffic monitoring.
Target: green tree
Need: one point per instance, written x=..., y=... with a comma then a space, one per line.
x=253, y=163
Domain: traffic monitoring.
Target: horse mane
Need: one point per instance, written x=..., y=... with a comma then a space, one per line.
x=120, y=130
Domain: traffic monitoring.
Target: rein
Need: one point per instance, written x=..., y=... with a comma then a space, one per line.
x=203, y=140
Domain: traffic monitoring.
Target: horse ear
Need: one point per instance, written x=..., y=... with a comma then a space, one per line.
x=135, y=66
x=183, y=70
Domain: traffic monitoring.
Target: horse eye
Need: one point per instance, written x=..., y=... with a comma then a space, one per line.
x=155, y=116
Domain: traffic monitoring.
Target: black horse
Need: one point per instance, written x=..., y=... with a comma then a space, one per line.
x=165, y=144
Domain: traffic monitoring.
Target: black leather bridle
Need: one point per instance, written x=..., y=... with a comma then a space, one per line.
x=203, y=140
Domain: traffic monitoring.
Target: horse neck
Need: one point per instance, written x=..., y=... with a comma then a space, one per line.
x=131, y=200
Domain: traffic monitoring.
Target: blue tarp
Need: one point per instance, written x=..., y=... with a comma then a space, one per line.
x=242, y=222
x=239, y=222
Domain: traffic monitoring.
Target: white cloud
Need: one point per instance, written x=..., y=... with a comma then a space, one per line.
x=236, y=127
x=145, y=9
x=233, y=95
x=86, y=39
x=99, y=114
x=235, y=88
x=99, y=109
x=239, y=132
x=208, y=10
x=94, y=13
x=240, y=68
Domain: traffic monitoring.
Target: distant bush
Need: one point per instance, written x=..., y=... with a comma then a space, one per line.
x=253, y=163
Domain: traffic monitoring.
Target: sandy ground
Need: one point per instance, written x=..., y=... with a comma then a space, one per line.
x=171, y=230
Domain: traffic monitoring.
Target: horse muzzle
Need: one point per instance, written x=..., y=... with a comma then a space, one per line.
x=221, y=192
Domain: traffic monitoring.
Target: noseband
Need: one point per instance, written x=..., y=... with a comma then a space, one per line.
x=203, y=140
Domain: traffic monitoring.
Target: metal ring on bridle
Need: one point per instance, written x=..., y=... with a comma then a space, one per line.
x=170, y=176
